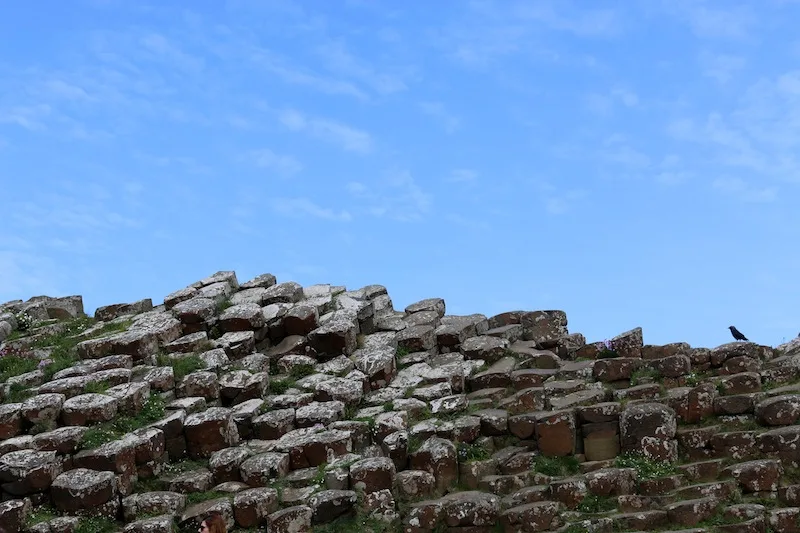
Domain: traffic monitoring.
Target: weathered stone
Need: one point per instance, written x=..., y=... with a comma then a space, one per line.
x=210, y=431
x=107, y=313
x=756, y=476
x=544, y=327
x=288, y=292
x=489, y=349
x=373, y=474
x=530, y=517
x=556, y=433
x=336, y=335
x=83, y=490
x=649, y=429
x=252, y=507
x=296, y=519
x=438, y=457
x=242, y=317
x=328, y=505
x=10, y=420
x=13, y=514
x=628, y=344
x=26, y=471
x=781, y=410
x=152, y=503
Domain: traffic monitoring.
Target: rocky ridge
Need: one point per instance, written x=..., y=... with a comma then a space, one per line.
x=324, y=409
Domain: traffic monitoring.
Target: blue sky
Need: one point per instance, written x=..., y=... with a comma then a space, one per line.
x=632, y=163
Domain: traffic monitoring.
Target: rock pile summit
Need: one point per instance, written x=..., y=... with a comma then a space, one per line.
x=310, y=409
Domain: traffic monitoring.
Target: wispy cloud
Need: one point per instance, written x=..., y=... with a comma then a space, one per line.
x=305, y=207
x=29, y=117
x=346, y=137
x=559, y=203
x=341, y=61
x=295, y=74
x=397, y=197
x=282, y=164
x=463, y=175
x=438, y=111
x=760, y=134
x=745, y=192
x=721, y=67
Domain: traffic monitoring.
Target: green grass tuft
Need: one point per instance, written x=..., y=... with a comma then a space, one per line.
x=646, y=468
x=556, y=466
x=95, y=436
x=182, y=366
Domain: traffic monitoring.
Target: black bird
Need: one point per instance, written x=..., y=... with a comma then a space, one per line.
x=737, y=334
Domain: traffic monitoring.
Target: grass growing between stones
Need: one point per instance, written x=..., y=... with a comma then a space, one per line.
x=301, y=371
x=181, y=366
x=95, y=525
x=645, y=467
x=597, y=504
x=556, y=466
x=193, y=498
x=280, y=386
x=60, y=344
x=96, y=387
x=152, y=411
x=41, y=514
x=468, y=452
x=645, y=375
x=17, y=393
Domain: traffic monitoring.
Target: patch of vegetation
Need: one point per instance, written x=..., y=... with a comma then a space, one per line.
x=223, y=305
x=199, y=497
x=360, y=340
x=152, y=411
x=61, y=344
x=24, y=321
x=187, y=465
x=15, y=361
x=42, y=513
x=151, y=484
x=472, y=452
x=556, y=466
x=280, y=386
x=95, y=525
x=693, y=379
x=597, y=504
x=319, y=477
x=204, y=346
x=111, y=327
x=414, y=443
x=17, y=393
x=181, y=366
x=645, y=467
x=645, y=375
x=301, y=371
x=357, y=521
x=96, y=387
x=402, y=351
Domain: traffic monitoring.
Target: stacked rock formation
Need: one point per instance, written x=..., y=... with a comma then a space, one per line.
x=324, y=409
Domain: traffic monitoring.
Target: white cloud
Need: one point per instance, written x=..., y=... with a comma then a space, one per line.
x=299, y=207
x=741, y=190
x=398, y=197
x=437, y=110
x=346, y=137
x=721, y=67
x=28, y=117
x=296, y=75
x=342, y=62
x=27, y=274
x=463, y=175
x=282, y=164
